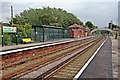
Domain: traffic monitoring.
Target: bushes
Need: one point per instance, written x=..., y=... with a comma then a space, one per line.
x=7, y=39
x=10, y=38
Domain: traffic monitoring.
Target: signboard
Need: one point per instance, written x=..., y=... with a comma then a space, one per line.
x=9, y=29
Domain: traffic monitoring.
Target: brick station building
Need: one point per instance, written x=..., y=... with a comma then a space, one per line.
x=77, y=31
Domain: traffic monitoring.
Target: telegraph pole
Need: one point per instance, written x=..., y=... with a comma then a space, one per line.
x=11, y=14
x=12, y=23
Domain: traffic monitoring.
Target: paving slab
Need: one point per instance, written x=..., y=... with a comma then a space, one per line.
x=115, y=57
x=119, y=58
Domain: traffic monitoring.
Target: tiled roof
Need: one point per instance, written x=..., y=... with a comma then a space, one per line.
x=76, y=25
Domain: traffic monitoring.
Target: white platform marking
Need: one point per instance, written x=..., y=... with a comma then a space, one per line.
x=88, y=62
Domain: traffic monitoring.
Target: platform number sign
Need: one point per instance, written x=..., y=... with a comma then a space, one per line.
x=9, y=29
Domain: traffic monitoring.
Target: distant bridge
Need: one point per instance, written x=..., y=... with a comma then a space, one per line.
x=106, y=29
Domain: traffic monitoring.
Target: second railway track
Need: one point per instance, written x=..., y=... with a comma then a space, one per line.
x=71, y=67
x=69, y=70
x=30, y=61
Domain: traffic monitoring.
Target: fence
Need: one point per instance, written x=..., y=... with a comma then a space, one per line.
x=38, y=34
x=47, y=33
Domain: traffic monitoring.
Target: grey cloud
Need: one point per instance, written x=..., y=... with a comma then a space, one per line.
x=98, y=12
x=5, y=11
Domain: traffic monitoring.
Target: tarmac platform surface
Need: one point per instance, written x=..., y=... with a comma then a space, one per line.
x=101, y=65
x=7, y=48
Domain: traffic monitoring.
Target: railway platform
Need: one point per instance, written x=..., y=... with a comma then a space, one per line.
x=115, y=57
x=11, y=47
x=101, y=65
x=21, y=46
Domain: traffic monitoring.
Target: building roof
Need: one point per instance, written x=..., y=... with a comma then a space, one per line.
x=76, y=26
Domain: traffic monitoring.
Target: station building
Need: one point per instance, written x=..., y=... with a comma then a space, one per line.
x=77, y=31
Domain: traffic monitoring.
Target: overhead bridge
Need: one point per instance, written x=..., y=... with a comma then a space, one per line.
x=106, y=29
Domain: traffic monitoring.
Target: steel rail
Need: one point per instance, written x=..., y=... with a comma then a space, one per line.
x=15, y=74
x=68, y=61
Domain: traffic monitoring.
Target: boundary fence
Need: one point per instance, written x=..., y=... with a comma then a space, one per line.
x=46, y=33
x=39, y=33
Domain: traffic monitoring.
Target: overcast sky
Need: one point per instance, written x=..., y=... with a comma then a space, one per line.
x=100, y=12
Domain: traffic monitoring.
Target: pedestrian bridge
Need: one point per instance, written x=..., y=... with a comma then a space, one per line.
x=105, y=29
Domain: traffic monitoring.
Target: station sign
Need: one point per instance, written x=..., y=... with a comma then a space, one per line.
x=9, y=29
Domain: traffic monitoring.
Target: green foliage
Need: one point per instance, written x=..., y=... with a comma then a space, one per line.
x=47, y=16
x=118, y=38
x=7, y=39
x=98, y=32
x=113, y=26
x=90, y=25
x=0, y=24
x=25, y=29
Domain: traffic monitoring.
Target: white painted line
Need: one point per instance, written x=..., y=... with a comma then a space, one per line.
x=43, y=45
x=50, y=44
x=88, y=62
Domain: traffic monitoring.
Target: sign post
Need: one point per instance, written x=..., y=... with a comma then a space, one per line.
x=2, y=35
x=16, y=37
x=8, y=29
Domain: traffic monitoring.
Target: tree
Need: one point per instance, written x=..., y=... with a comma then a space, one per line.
x=25, y=29
x=90, y=25
x=112, y=26
x=47, y=16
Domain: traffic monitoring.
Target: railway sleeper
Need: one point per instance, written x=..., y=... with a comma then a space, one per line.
x=45, y=54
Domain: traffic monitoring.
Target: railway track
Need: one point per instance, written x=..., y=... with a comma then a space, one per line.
x=71, y=67
x=28, y=61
